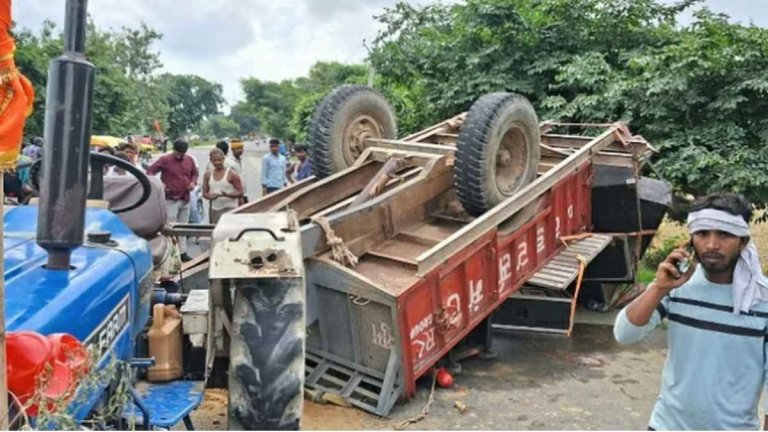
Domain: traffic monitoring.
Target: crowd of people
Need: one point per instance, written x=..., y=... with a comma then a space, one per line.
x=223, y=184
x=20, y=185
x=277, y=172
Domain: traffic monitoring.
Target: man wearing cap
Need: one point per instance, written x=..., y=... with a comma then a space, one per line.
x=718, y=322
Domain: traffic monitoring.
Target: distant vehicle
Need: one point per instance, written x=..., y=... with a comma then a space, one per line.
x=145, y=143
x=99, y=141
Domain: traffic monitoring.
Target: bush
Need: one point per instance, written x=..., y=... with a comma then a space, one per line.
x=656, y=255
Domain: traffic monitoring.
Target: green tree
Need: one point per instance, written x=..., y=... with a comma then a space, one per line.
x=124, y=94
x=284, y=109
x=219, y=126
x=245, y=117
x=190, y=99
x=272, y=103
x=696, y=91
x=133, y=49
x=322, y=78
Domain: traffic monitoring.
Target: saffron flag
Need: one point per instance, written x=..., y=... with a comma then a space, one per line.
x=16, y=95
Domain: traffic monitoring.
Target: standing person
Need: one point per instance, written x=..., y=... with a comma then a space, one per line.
x=34, y=148
x=224, y=147
x=115, y=170
x=178, y=173
x=303, y=169
x=273, y=169
x=196, y=211
x=222, y=187
x=718, y=322
x=237, y=164
x=133, y=151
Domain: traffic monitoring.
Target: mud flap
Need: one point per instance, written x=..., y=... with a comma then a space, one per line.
x=266, y=365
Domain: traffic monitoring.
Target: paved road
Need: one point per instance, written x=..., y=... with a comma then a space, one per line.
x=252, y=170
x=586, y=382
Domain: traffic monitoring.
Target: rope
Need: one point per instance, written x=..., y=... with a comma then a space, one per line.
x=22, y=414
x=639, y=241
x=582, y=268
x=339, y=251
x=424, y=411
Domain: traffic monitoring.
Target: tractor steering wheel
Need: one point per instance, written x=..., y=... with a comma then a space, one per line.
x=96, y=190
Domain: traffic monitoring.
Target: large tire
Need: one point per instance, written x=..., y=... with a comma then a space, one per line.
x=266, y=364
x=342, y=121
x=497, y=152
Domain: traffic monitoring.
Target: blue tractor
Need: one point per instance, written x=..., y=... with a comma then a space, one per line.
x=76, y=265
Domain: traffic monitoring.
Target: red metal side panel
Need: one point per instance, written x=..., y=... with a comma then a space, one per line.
x=444, y=307
x=439, y=311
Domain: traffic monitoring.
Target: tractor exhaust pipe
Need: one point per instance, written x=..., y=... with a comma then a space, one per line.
x=64, y=177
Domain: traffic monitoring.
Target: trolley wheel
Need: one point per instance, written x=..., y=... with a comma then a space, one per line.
x=497, y=152
x=342, y=122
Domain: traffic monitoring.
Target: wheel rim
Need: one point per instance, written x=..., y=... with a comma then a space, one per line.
x=509, y=165
x=362, y=127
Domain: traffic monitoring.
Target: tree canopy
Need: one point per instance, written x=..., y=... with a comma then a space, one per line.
x=129, y=93
x=697, y=91
x=284, y=109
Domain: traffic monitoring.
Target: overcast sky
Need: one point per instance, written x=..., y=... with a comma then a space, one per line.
x=225, y=40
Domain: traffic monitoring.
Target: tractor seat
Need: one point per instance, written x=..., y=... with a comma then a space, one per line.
x=147, y=220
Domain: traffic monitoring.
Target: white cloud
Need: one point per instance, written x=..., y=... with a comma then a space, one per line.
x=226, y=40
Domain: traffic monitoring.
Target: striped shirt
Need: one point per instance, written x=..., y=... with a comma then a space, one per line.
x=716, y=364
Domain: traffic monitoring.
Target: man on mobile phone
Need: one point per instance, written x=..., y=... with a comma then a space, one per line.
x=718, y=323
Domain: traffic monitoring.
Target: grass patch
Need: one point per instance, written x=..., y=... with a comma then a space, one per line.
x=645, y=274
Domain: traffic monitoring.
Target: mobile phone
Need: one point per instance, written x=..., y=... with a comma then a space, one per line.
x=684, y=265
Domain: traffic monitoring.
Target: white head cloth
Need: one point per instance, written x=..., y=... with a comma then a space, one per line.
x=749, y=284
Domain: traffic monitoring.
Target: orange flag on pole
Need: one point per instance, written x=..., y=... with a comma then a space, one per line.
x=16, y=95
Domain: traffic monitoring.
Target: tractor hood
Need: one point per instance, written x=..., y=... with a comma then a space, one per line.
x=104, y=294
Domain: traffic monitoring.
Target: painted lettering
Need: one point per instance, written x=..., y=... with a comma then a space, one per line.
x=454, y=303
x=382, y=336
x=475, y=295
x=522, y=256
x=422, y=325
x=505, y=270
x=540, y=239
x=424, y=346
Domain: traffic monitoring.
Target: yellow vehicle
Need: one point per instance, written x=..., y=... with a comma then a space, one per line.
x=145, y=145
x=105, y=141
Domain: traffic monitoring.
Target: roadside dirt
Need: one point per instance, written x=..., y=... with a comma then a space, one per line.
x=586, y=382
x=538, y=382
